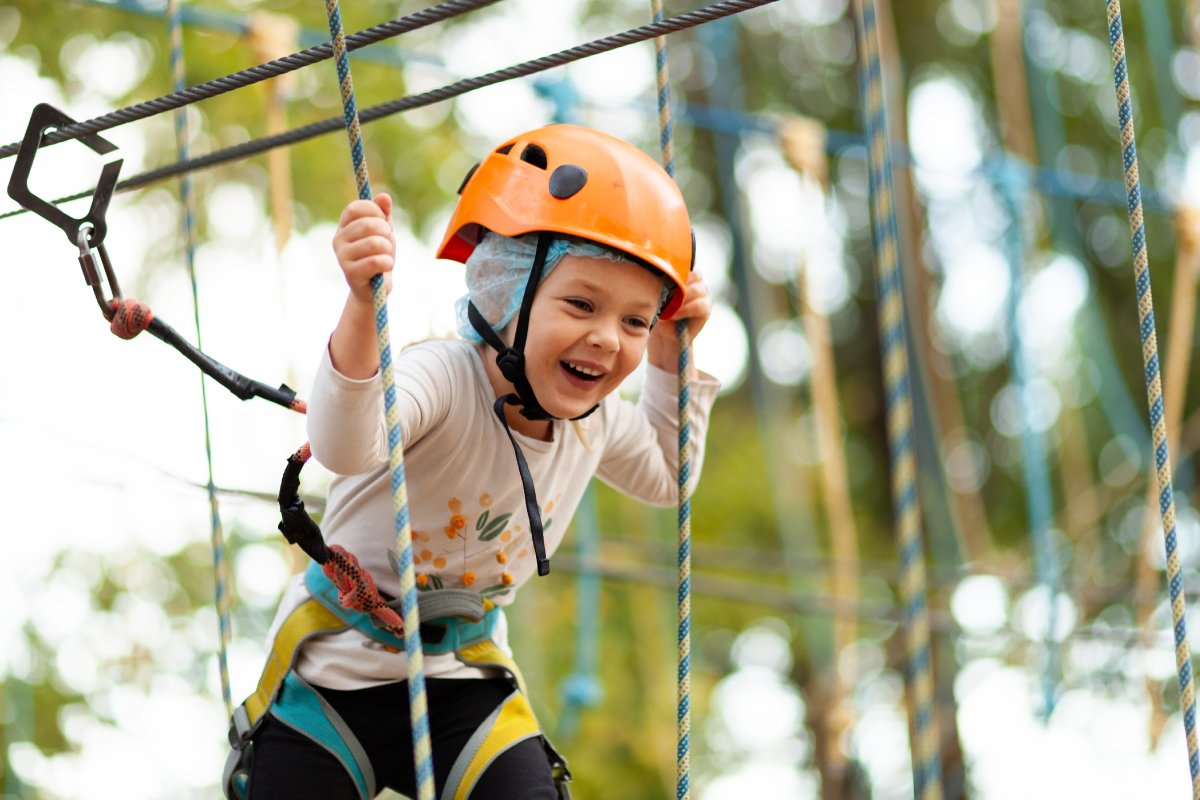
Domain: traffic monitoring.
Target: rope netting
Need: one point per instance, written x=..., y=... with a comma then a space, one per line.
x=138, y=316
x=185, y=95
x=372, y=113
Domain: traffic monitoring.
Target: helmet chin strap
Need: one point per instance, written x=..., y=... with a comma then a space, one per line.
x=511, y=362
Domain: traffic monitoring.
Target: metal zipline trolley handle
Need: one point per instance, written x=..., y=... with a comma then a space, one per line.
x=87, y=233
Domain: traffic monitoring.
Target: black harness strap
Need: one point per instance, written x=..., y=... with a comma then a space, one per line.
x=531, y=504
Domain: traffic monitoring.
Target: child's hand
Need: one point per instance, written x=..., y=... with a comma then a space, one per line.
x=696, y=309
x=365, y=245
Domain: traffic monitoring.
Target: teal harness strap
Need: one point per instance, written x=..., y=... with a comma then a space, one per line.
x=302, y=709
x=440, y=635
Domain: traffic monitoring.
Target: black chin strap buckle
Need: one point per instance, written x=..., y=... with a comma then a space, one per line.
x=512, y=365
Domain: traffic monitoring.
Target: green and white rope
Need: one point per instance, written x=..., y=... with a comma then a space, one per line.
x=1154, y=395
x=898, y=397
x=683, y=562
x=402, y=558
x=221, y=594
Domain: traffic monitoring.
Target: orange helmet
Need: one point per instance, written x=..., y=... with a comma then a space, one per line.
x=580, y=182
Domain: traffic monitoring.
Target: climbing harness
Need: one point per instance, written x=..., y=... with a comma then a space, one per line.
x=342, y=596
x=456, y=621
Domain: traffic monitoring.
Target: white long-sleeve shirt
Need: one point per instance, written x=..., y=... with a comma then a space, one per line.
x=467, y=510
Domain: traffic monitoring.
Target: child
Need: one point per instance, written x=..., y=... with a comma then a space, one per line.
x=575, y=244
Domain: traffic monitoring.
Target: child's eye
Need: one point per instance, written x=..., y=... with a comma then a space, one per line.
x=581, y=304
x=637, y=322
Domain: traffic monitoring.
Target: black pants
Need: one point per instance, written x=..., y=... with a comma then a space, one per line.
x=290, y=766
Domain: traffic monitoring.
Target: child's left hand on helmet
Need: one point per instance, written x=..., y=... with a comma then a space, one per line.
x=696, y=309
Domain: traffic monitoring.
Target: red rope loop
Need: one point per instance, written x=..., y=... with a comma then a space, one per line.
x=356, y=590
x=130, y=317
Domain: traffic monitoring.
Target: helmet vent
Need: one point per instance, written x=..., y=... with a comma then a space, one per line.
x=534, y=155
x=505, y=150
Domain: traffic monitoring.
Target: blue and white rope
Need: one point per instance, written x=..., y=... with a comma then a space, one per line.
x=221, y=594
x=898, y=397
x=683, y=563
x=402, y=562
x=1154, y=395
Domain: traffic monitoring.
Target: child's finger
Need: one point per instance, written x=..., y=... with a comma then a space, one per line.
x=384, y=201
x=365, y=247
x=358, y=209
x=365, y=227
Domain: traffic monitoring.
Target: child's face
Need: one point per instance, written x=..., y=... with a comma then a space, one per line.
x=588, y=329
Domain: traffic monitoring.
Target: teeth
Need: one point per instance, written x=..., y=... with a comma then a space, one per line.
x=585, y=370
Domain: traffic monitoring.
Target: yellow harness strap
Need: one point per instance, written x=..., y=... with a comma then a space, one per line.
x=488, y=654
x=509, y=724
x=513, y=722
x=309, y=619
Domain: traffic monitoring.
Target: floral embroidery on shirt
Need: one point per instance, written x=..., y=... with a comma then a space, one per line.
x=499, y=533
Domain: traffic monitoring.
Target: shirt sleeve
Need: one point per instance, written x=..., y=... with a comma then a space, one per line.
x=347, y=427
x=641, y=453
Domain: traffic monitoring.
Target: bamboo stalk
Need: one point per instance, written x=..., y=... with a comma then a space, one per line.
x=803, y=145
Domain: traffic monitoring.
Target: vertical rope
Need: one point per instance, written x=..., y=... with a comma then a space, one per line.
x=1012, y=182
x=898, y=396
x=402, y=557
x=221, y=592
x=1154, y=397
x=683, y=562
x=1180, y=327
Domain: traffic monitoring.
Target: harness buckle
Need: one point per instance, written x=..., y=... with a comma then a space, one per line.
x=239, y=727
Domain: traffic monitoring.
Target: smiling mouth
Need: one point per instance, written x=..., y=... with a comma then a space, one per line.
x=581, y=372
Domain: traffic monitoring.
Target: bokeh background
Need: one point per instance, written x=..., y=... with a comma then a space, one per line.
x=1052, y=637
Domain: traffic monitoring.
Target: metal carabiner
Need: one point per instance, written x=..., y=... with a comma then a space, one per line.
x=96, y=274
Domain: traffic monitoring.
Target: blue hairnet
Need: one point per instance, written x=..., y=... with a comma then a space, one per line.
x=498, y=270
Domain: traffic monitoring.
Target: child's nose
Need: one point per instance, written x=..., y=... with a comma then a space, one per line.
x=604, y=335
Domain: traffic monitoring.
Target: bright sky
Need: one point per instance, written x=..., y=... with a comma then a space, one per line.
x=104, y=441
